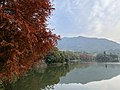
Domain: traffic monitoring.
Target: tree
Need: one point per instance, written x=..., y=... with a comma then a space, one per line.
x=24, y=36
x=53, y=56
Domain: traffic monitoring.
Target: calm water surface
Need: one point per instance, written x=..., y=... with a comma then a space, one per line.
x=77, y=76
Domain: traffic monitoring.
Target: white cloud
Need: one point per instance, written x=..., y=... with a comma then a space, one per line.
x=94, y=18
x=105, y=20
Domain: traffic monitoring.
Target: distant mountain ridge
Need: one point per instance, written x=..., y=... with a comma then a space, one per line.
x=87, y=44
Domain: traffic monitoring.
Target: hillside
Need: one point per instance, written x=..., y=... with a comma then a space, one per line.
x=87, y=44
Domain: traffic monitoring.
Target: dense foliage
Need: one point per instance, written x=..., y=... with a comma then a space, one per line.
x=87, y=57
x=24, y=36
x=56, y=56
x=104, y=57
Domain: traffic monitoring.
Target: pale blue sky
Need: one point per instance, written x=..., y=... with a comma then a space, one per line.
x=91, y=18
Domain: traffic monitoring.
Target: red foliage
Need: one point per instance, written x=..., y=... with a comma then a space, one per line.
x=24, y=36
x=88, y=57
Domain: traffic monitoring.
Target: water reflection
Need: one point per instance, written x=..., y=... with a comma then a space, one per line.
x=84, y=76
x=95, y=72
x=38, y=80
x=112, y=84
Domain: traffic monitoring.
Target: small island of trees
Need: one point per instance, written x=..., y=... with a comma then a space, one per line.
x=104, y=57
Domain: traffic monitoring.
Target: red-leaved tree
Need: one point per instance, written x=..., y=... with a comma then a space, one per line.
x=24, y=36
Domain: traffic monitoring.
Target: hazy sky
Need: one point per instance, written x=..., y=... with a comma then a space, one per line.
x=91, y=18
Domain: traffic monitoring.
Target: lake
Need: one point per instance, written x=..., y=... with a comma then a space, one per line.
x=76, y=76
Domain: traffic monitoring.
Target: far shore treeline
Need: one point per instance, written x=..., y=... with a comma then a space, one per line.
x=57, y=56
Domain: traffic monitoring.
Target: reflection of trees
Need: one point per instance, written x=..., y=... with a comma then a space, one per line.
x=36, y=81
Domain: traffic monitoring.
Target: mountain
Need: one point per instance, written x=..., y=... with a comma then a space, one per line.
x=115, y=51
x=87, y=44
